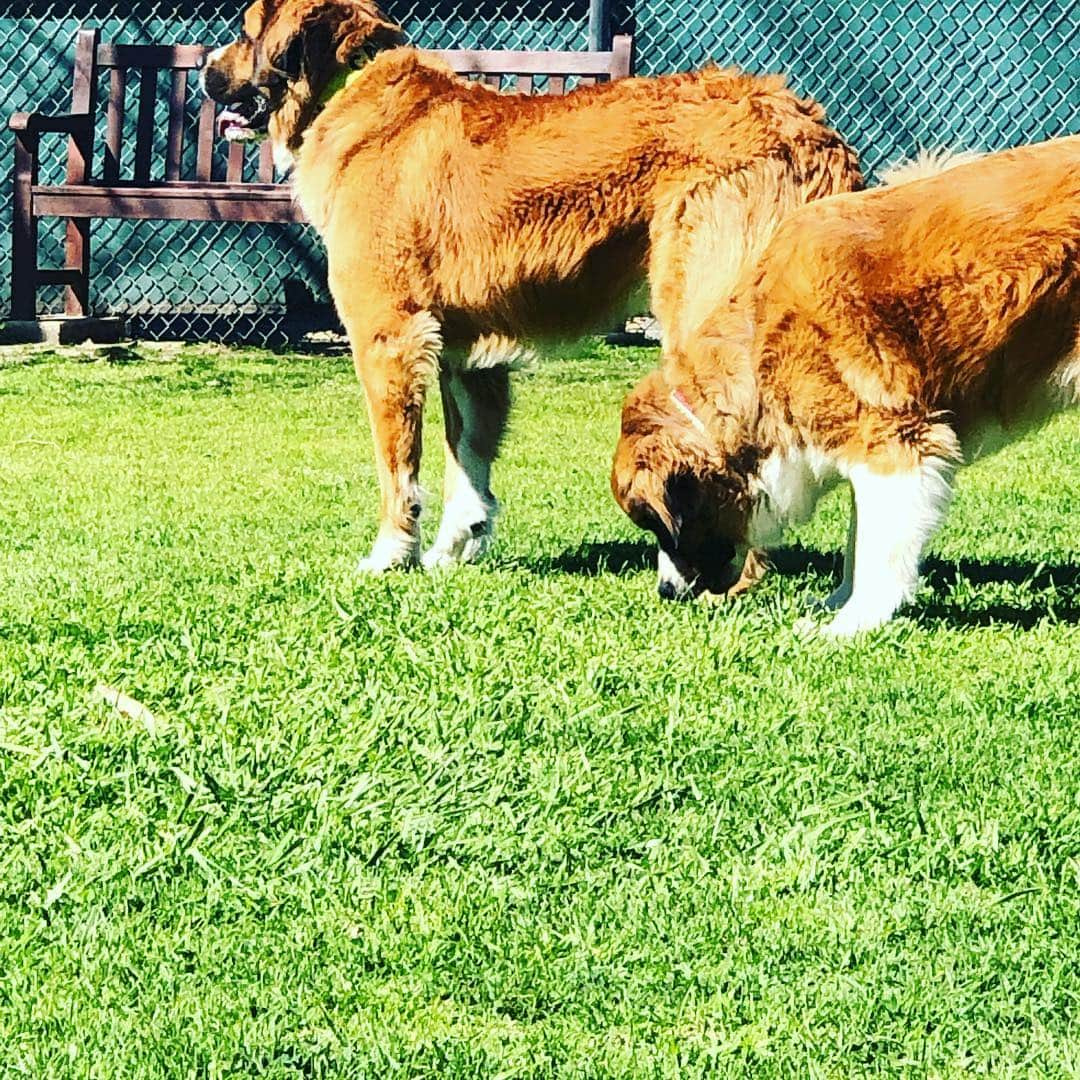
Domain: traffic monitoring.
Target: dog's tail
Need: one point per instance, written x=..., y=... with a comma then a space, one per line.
x=924, y=164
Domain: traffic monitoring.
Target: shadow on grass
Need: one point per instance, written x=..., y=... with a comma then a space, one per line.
x=621, y=556
x=593, y=558
x=1054, y=588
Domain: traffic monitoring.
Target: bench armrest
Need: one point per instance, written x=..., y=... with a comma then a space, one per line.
x=62, y=123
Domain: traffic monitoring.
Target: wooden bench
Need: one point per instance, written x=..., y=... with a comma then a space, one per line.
x=134, y=183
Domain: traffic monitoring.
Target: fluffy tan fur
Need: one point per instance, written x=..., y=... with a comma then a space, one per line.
x=458, y=220
x=883, y=337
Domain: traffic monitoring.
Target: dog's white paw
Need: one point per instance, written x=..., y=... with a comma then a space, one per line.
x=391, y=551
x=848, y=623
x=462, y=548
x=839, y=628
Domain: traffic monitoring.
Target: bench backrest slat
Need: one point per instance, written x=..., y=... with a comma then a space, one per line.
x=144, y=131
x=266, y=162
x=234, y=172
x=614, y=63
x=114, y=124
x=204, y=155
x=174, y=147
x=83, y=99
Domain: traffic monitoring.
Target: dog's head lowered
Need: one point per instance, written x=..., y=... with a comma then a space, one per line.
x=273, y=77
x=673, y=478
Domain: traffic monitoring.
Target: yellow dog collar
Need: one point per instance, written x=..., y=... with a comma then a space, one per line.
x=341, y=81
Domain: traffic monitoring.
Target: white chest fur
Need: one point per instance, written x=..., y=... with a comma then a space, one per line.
x=788, y=488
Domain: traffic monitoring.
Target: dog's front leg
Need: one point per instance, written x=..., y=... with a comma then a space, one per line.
x=476, y=404
x=395, y=363
x=842, y=593
x=896, y=514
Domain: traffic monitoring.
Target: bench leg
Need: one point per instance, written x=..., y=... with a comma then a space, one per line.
x=77, y=295
x=24, y=234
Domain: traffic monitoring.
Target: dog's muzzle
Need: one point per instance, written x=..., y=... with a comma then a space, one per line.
x=245, y=118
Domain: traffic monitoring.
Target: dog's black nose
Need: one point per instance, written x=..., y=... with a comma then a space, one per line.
x=217, y=85
x=667, y=591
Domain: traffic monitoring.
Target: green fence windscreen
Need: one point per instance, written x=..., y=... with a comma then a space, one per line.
x=893, y=74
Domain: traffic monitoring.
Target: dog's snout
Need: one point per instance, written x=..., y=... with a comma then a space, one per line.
x=214, y=83
x=668, y=590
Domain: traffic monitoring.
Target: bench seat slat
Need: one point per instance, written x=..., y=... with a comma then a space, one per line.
x=185, y=201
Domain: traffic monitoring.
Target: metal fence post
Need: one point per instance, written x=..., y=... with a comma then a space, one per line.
x=599, y=24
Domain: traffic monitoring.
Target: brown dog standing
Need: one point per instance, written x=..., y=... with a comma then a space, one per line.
x=459, y=221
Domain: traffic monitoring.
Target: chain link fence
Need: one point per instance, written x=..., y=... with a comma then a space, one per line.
x=894, y=75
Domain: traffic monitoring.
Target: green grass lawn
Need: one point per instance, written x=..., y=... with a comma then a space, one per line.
x=522, y=819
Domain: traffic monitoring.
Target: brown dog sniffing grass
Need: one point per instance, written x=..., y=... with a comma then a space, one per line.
x=460, y=222
x=883, y=338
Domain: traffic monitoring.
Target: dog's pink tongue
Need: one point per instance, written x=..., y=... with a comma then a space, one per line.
x=233, y=126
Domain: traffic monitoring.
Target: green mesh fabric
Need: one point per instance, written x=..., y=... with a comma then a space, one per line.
x=894, y=76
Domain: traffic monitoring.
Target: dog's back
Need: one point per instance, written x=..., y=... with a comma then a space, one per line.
x=957, y=292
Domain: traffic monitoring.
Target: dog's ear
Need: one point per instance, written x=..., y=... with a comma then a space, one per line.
x=363, y=28
x=649, y=506
x=292, y=59
x=641, y=477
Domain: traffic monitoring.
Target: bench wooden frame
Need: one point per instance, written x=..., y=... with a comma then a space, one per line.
x=82, y=196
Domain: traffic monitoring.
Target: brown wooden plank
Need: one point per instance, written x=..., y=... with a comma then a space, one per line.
x=266, y=162
x=83, y=91
x=114, y=124
x=180, y=203
x=586, y=80
x=234, y=171
x=556, y=86
x=144, y=131
x=217, y=189
x=174, y=145
x=494, y=81
x=151, y=56
x=83, y=95
x=622, y=56
x=58, y=277
x=77, y=262
x=546, y=62
x=24, y=227
x=204, y=161
x=524, y=85
x=79, y=165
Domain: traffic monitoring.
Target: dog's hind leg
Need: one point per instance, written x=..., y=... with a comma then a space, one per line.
x=394, y=358
x=476, y=404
